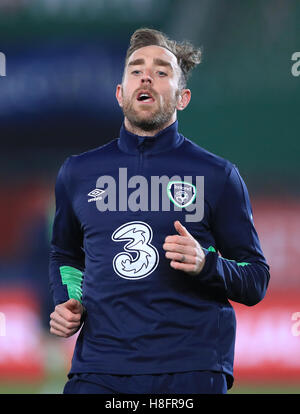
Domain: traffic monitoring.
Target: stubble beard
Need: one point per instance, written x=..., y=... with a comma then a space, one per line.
x=149, y=120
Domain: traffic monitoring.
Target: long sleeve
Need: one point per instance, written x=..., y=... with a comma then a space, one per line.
x=66, y=265
x=240, y=269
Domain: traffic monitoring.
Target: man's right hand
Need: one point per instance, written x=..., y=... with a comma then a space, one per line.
x=66, y=318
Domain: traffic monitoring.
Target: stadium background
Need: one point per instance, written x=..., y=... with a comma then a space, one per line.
x=63, y=61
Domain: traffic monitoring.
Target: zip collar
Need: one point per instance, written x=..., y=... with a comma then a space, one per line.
x=164, y=140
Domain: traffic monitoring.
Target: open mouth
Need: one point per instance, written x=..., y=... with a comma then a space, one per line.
x=145, y=97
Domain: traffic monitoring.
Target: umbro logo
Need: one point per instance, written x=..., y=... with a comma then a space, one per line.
x=95, y=194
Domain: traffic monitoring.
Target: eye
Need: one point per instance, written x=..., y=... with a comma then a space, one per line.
x=136, y=72
x=161, y=73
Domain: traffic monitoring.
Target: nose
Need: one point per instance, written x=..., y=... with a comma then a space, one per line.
x=146, y=78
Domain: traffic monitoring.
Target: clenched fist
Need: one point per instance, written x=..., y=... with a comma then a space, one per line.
x=66, y=318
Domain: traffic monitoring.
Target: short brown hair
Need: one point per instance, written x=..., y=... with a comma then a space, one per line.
x=187, y=55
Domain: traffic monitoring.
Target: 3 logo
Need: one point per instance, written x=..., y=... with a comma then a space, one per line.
x=140, y=258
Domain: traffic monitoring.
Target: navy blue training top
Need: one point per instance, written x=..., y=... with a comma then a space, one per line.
x=114, y=207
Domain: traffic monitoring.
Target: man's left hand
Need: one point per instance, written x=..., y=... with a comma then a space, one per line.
x=184, y=251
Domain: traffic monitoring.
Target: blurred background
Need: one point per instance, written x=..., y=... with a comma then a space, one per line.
x=64, y=59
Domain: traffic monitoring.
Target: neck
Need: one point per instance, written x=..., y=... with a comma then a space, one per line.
x=141, y=132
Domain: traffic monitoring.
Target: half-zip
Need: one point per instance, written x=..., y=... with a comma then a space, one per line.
x=141, y=148
x=163, y=141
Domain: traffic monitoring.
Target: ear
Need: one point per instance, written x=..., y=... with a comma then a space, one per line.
x=119, y=95
x=183, y=99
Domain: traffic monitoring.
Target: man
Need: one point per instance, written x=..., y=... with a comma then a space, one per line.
x=152, y=236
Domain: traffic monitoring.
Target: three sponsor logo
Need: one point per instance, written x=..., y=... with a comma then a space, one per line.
x=139, y=258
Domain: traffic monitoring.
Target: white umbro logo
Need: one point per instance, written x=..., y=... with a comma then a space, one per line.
x=95, y=194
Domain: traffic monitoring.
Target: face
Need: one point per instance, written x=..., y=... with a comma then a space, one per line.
x=149, y=95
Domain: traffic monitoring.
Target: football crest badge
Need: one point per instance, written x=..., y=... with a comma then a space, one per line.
x=181, y=193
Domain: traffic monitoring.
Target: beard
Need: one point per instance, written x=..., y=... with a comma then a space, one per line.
x=149, y=119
